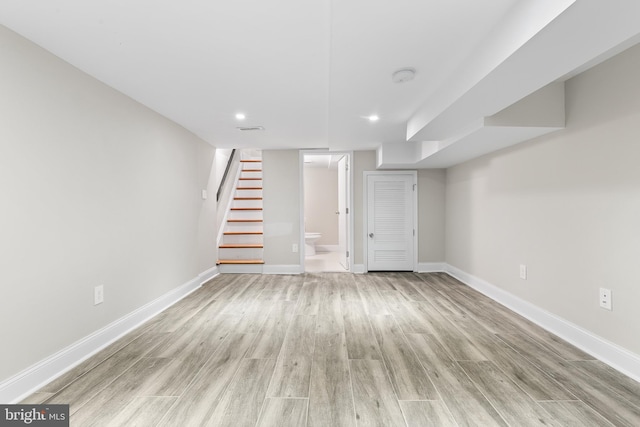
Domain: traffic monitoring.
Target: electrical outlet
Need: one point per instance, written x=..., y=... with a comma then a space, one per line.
x=523, y=272
x=605, y=298
x=294, y=248
x=98, y=295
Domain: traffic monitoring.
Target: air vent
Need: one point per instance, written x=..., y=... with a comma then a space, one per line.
x=250, y=128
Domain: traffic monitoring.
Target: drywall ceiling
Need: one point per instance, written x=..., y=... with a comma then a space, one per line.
x=311, y=72
x=322, y=161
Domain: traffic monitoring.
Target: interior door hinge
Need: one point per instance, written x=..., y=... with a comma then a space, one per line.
x=347, y=254
x=414, y=187
x=414, y=232
x=347, y=210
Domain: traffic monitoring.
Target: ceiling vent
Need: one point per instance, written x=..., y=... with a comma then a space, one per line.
x=250, y=128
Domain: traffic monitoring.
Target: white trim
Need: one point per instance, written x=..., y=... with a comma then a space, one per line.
x=351, y=198
x=431, y=267
x=33, y=378
x=612, y=354
x=209, y=274
x=301, y=242
x=358, y=269
x=283, y=269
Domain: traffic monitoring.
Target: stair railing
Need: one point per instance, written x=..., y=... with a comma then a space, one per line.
x=224, y=176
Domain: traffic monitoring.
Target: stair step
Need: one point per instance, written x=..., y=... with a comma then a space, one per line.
x=244, y=220
x=251, y=176
x=240, y=233
x=251, y=170
x=240, y=261
x=248, y=188
x=247, y=198
x=251, y=160
x=241, y=246
x=246, y=209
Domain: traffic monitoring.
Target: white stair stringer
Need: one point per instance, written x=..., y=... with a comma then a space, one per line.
x=241, y=248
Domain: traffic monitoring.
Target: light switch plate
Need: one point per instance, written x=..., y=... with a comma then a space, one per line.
x=523, y=272
x=605, y=298
x=98, y=295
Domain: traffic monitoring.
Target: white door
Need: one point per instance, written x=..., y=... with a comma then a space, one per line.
x=390, y=221
x=343, y=213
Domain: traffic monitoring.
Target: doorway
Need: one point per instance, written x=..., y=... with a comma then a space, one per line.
x=326, y=221
x=391, y=227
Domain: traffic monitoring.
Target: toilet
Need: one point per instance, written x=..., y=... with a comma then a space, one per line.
x=310, y=240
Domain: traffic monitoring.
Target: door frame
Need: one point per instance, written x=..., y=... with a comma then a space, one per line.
x=365, y=214
x=350, y=194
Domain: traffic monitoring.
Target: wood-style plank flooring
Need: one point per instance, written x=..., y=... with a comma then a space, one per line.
x=335, y=349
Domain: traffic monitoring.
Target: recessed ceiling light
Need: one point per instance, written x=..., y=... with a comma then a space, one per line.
x=373, y=118
x=240, y=116
x=403, y=75
x=250, y=128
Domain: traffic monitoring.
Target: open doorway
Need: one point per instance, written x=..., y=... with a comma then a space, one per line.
x=326, y=220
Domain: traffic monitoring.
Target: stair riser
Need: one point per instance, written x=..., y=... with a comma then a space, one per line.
x=243, y=226
x=245, y=215
x=242, y=239
x=240, y=253
x=248, y=193
x=250, y=183
x=234, y=268
x=245, y=174
x=247, y=203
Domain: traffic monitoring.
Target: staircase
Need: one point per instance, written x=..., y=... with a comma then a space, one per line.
x=241, y=248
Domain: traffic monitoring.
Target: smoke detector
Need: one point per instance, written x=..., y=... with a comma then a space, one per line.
x=403, y=75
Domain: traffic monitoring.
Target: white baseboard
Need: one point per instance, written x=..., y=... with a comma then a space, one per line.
x=358, y=269
x=205, y=276
x=25, y=383
x=283, y=269
x=431, y=267
x=612, y=354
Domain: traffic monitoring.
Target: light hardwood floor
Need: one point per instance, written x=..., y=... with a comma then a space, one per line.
x=330, y=349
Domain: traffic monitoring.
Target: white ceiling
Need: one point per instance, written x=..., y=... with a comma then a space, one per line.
x=311, y=71
x=322, y=161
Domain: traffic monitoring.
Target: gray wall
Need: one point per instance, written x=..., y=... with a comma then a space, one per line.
x=431, y=215
x=362, y=161
x=281, y=206
x=95, y=189
x=321, y=203
x=431, y=209
x=567, y=205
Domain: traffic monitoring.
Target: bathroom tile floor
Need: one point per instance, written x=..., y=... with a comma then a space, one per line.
x=323, y=262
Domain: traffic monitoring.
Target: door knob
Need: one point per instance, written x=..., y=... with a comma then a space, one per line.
x=337, y=212
x=371, y=235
